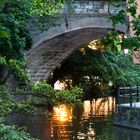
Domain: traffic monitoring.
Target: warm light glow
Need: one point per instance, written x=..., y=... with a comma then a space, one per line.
x=126, y=51
x=98, y=107
x=96, y=44
x=62, y=118
x=62, y=85
x=59, y=85
x=92, y=45
x=63, y=113
x=87, y=109
x=82, y=50
x=120, y=37
x=91, y=132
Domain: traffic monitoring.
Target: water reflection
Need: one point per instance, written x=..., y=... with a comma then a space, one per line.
x=79, y=123
x=99, y=107
x=92, y=121
x=62, y=113
x=61, y=120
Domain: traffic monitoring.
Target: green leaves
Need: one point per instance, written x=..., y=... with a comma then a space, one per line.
x=128, y=16
x=112, y=41
x=96, y=68
x=44, y=7
x=5, y=44
x=130, y=43
x=132, y=8
x=12, y=37
x=2, y=60
x=44, y=94
x=8, y=105
x=119, y=18
x=13, y=133
x=6, y=102
x=19, y=70
x=4, y=33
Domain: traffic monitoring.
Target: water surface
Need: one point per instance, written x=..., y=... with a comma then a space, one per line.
x=92, y=121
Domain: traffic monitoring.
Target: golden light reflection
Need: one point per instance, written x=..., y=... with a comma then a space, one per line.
x=87, y=108
x=98, y=107
x=62, y=113
x=96, y=45
x=82, y=50
x=62, y=126
x=61, y=120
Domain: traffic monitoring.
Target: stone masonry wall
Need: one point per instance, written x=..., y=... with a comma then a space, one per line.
x=127, y=117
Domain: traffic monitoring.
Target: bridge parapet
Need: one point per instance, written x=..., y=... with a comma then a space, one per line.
x=94, y=7
x=77, y=15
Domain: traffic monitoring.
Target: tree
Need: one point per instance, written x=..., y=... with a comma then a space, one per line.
x=128, y=41
x=14, y=36
x=108, y=62
x=14, y=39
x=99, y=69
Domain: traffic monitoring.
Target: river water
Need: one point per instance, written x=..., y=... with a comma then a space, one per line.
x=92, y=121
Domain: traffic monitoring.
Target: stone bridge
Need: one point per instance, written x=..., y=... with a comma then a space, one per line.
x=50, y=48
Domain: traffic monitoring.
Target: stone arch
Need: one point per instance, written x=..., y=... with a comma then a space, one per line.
x=43, y=59
x=76, y=24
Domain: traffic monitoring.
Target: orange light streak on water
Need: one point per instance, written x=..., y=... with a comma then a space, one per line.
x=62, y=117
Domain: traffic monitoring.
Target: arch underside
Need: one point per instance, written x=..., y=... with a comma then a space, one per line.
x=47, y=56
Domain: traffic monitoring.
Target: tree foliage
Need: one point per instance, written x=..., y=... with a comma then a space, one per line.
x=14, y=36
x=131, y=19
x=41, y=94
x=13, y=133
x=45, y=94
x=14, y=39
x=97, y=68
x=7, y=105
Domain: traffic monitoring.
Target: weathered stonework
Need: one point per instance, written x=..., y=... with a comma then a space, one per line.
x=47, y=56
x=77, y=27
x=127, y=117
x=126, y=134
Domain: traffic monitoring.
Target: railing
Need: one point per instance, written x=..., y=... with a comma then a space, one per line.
x=128, y=95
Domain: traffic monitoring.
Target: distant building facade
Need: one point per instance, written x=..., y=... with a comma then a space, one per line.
x=136, y=53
